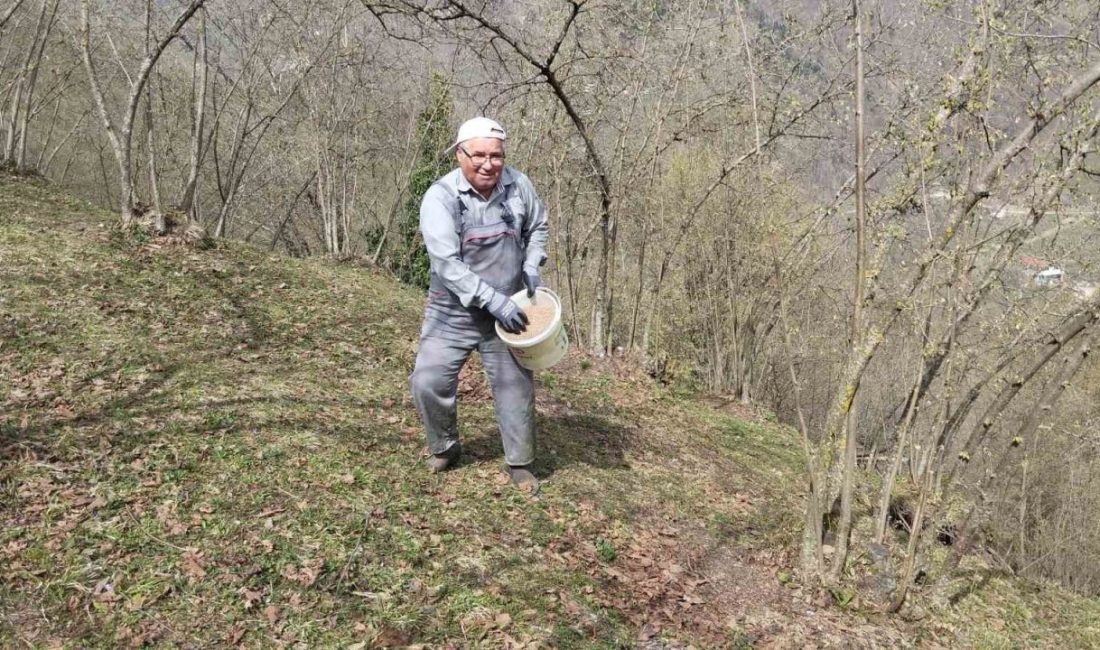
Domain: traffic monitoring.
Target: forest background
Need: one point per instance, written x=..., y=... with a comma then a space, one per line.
x=709, y=218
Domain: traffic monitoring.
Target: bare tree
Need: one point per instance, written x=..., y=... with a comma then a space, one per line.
x=954, y=250
x=19, y=114
x=254, y=119
x=121, y=134
x=198, y=121
x=844, y=525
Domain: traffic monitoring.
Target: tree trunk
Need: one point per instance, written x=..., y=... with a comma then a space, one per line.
x=198, y=121
x=851, y=442
x=23, y=85
x=639, y=295
x=159, y=224
x=228, y=191
x=39, y=49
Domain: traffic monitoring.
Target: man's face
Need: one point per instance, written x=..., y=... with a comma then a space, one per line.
x=481, y=161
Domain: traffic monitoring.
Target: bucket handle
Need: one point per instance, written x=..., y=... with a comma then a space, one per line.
x=551, y=292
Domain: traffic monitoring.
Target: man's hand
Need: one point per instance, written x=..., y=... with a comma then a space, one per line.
x=511, y=317
x=532, y=281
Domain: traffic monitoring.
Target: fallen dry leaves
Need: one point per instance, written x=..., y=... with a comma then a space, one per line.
x=305, y=575
x=193, y=564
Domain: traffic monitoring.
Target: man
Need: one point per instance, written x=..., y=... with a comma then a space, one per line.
x=485, y=230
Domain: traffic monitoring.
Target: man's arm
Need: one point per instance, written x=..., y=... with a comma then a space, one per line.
x=437, y=225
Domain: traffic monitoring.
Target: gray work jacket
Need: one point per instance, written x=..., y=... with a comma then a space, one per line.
x=441, y=212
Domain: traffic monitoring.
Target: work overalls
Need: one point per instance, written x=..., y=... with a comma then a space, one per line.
x=492, y=244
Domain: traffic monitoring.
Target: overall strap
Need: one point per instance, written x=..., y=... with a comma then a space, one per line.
x=460, y=209
x=506, y=214
x=459, y=215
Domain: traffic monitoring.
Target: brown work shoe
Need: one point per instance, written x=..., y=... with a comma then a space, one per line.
x=439, y=462
x=523, y=479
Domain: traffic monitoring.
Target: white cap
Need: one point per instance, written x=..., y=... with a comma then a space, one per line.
x=479, y=127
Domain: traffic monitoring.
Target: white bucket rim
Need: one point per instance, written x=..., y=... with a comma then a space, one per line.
x=521, y=300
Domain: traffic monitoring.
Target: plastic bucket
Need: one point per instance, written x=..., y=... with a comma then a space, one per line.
x=546, y=349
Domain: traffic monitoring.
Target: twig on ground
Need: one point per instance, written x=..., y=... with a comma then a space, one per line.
x=152, y=536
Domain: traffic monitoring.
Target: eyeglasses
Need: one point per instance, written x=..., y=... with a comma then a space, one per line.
x=495, y=159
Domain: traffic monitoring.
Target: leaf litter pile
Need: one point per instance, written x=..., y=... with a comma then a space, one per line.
x=216, y=448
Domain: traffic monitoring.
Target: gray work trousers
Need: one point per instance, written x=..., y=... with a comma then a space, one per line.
x=434, y=384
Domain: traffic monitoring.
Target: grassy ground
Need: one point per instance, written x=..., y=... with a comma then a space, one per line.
x=215, y=448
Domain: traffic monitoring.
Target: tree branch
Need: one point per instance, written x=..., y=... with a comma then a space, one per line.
x=7, y=14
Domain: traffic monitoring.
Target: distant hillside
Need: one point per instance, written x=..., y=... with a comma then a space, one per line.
x=215, y=448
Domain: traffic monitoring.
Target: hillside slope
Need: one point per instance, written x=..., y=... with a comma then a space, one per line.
x=216, y=448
